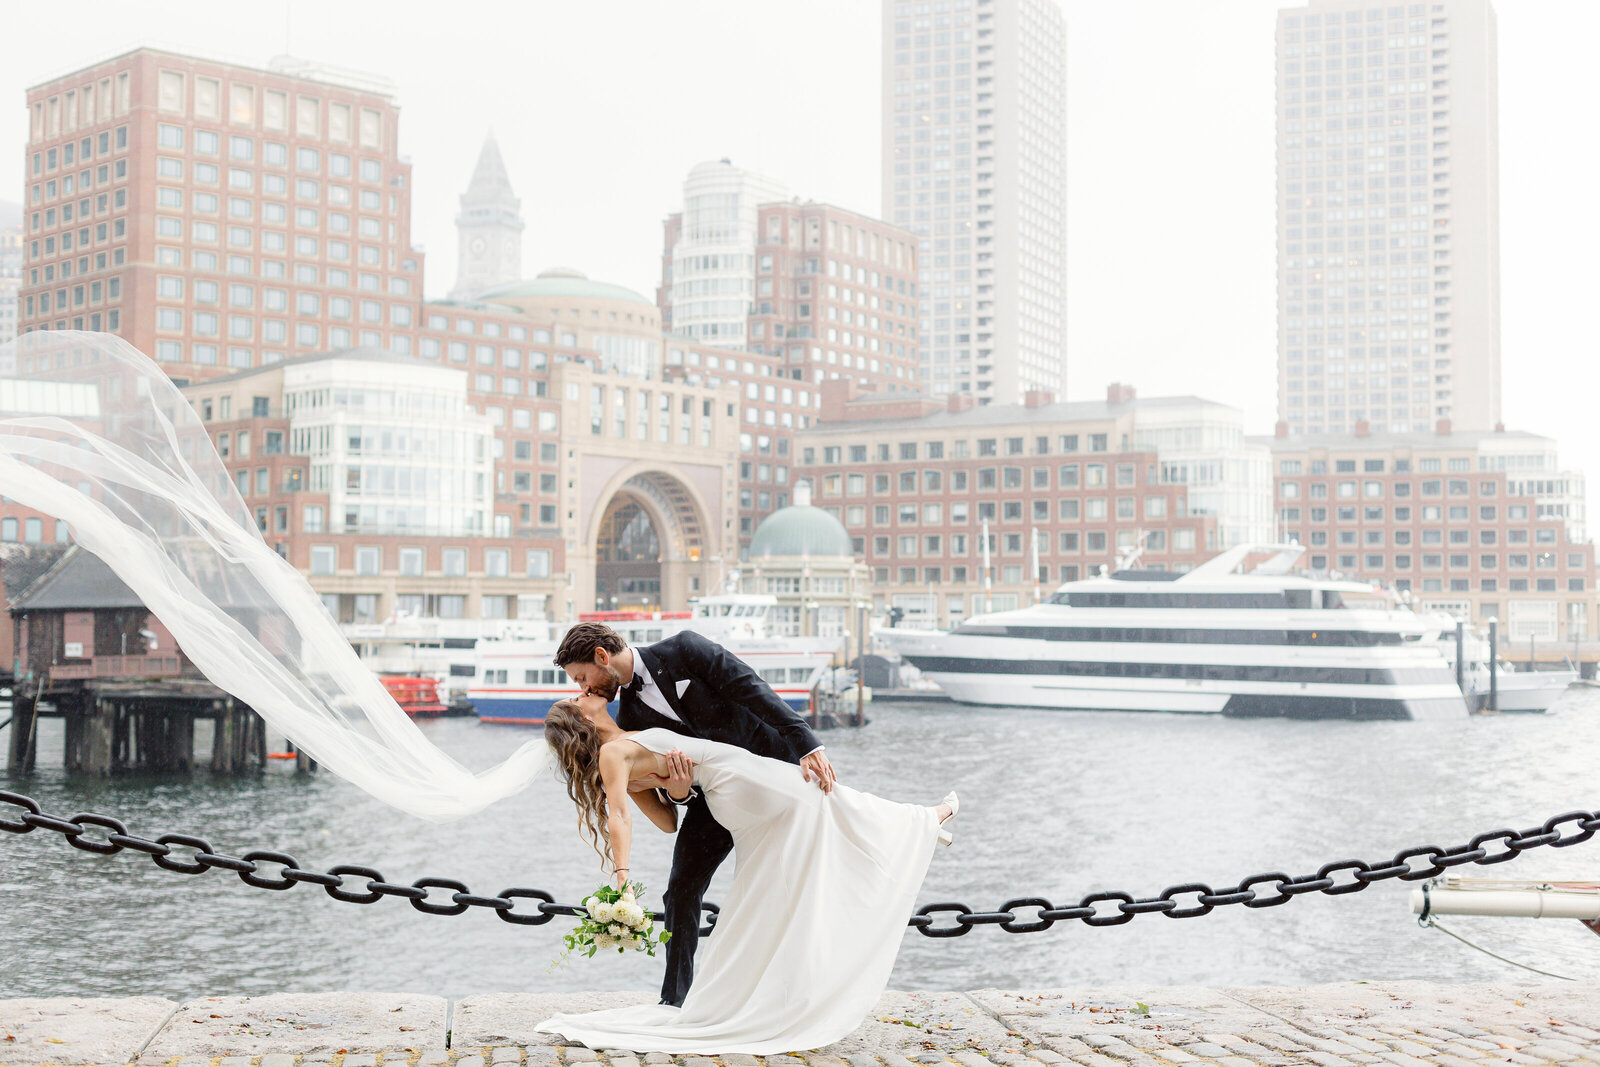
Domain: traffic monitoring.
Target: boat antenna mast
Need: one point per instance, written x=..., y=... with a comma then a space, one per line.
x=988, y=572
x=1033, y=543
x=1128, y=555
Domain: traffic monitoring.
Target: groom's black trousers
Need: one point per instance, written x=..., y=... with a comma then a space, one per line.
x=702, y=845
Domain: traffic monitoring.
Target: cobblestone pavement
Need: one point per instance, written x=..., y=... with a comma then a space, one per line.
x=1403, y=1024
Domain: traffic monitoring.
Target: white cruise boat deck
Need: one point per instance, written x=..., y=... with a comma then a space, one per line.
x=1211, y=641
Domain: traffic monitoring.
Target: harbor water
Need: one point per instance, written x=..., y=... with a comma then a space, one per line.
x=1054, y=804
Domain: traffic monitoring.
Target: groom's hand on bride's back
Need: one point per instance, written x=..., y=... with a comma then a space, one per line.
x=816, y=768
x=680, y=776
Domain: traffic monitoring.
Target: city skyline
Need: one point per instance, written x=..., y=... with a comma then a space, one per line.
x=1213, y=336
x=316, y=186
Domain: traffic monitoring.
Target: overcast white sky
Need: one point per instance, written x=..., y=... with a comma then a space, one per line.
x=601, y=109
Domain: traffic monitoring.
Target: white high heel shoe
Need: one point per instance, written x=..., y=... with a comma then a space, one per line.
x=954, y=804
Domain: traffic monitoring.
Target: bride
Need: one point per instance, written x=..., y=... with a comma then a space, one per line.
x=823, y=884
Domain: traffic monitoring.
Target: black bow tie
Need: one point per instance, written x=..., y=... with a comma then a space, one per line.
x=636, y=686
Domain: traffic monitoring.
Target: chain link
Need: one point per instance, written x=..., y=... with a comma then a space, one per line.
x=948, y=919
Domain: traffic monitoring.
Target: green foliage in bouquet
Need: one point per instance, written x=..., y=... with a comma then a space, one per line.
x=616, y=920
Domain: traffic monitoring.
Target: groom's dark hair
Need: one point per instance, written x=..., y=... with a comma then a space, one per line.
x=580, y=642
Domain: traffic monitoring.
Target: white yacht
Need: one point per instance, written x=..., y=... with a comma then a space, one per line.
x=1216, y=640
x=516, y=680
x=1515, y=690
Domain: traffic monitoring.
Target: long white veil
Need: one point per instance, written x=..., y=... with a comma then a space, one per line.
x=126, y=461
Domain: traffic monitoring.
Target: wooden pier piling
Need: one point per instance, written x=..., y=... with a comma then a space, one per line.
x=121, y=727
x=24, y=732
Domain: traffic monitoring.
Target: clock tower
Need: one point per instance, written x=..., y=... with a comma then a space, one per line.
x=489, y=228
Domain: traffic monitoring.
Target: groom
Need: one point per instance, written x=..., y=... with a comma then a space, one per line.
x=691, y=685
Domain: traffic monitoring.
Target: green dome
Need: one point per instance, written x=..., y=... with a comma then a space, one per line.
x=800, y=530
x=563, y=282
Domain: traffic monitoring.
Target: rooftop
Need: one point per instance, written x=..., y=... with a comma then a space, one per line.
x=22, y=564
x=78, y=580
x=1458, y=439
x=360, y=353
x=1003, y=414
x=284, y=66
x=800, y=531
x=491, y=184
x=796, y=204
x=563, y=282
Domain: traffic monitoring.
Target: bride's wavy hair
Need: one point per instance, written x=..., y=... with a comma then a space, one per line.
x=576, y=743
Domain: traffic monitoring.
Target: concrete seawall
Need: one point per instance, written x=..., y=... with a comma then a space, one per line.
x=1404, y=1024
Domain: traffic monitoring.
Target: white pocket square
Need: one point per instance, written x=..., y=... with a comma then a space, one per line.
x=682, y=685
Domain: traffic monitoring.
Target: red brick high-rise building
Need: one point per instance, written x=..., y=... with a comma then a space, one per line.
x=218, y=217
x=832, y=297
x=831, y=293
x=835, y=296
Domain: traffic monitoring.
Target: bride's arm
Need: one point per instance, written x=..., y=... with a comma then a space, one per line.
x=619, y=819
x=664, y=816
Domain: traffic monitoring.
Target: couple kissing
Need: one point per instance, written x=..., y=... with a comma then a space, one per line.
x=825, y=876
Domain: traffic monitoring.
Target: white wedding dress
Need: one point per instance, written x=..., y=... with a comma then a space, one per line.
x=823, y=885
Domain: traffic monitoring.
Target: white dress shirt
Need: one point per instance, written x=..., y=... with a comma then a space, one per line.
x=650, y=692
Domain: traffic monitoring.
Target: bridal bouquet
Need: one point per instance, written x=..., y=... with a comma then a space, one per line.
x=615, y=920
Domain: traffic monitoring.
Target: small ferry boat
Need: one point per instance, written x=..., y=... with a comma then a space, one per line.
x=516, y=680
x=437, y=649
x=1215, y=640
x=1524, y=691
x=418, y=697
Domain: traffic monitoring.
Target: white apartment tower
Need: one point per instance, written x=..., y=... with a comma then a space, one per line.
x=489, y=228
x=1388, y=216
x=712, y=279
x=975, y=164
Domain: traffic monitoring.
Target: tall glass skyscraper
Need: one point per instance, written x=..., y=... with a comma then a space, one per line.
x=974, y=163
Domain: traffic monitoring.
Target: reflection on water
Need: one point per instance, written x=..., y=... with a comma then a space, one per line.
x=1055, y=804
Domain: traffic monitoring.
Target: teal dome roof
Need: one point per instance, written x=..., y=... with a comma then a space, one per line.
x=800, y=530
x=559, y=282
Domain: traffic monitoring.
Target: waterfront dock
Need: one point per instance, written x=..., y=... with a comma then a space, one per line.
x=1347, y=1024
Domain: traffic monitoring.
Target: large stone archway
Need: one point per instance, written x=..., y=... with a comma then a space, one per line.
x=651, y=526
x=651, y=541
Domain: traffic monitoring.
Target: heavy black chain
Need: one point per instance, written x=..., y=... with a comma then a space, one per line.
x=194, y=855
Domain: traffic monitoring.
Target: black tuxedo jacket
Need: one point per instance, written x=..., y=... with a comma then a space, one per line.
x=724, y=700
